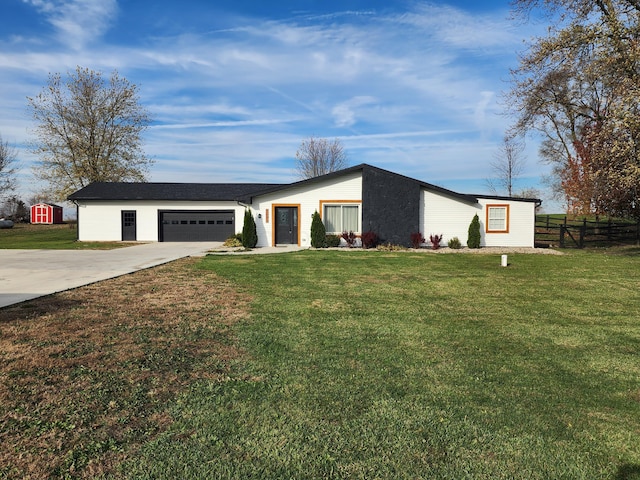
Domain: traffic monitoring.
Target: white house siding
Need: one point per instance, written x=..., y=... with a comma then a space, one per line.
x=308, y=196
x=522, y=220
x=451, y=217
x=101, y=220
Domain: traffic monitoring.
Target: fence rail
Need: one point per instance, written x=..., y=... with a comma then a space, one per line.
x=558, y=231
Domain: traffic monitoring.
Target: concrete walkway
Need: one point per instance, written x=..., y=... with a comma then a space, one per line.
x=27, y=274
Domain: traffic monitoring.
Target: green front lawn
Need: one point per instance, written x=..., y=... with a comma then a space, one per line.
x=51, y=237
x=404, y=365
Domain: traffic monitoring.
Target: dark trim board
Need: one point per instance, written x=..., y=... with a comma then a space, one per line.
x=195, y=225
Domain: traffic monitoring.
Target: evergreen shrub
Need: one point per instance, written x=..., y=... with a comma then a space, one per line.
x=318, y=232
x=249, y=231
x=332, y=240
x=455, y=243
x=473, y=240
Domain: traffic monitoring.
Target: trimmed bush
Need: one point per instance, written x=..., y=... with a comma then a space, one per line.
x=455, y=243
x=473, y=240
x=318, y=232
x=249, y=232
x=332, y=240
x=369, y=239
x=417, y=239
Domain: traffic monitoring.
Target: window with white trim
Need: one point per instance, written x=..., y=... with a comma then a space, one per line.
x=338, y=218
x=497, y=218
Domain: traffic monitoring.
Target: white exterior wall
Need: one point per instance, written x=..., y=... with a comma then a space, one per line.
x=309, y=196
x=101, y=220
x=451, y=218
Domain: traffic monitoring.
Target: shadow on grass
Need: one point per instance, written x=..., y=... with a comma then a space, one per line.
x=37, y=307
x=628, y=471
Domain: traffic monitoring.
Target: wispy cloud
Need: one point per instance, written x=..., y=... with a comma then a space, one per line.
x=77, y=22
x=345, y=112
x=409, y=88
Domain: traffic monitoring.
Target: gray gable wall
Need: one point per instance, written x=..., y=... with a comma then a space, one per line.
x=390, y=205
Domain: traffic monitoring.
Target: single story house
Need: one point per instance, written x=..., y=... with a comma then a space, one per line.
x=359, y=199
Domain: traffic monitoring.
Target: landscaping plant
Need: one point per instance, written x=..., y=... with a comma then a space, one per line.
x=455, y=243
x=249, y=232
x=473, y=240
x=435, y=241
x=234, y=240
x=350, y=238
x=369, y=239
x=417, y=239
x=332, y=240
x=318, y=232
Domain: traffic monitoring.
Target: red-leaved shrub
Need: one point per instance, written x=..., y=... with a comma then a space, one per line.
x=435, y=241
x=350, y=238
x=417, y=239
x=369, y=239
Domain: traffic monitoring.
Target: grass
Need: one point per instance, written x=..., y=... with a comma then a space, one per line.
x=86, y=375
x=54, y=237
x=334, y=365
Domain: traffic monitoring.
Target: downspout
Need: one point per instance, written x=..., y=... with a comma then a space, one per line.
x=75, y=202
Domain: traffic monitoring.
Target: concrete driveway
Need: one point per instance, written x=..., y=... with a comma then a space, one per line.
x=27, y=274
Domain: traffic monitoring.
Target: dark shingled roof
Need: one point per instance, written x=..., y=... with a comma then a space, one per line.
x=242, y=192
x=169, y=191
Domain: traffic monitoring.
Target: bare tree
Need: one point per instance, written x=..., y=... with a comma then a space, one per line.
x=507, y=165
x=319, y=156
x=88, y=130
x=13, y=208
x=579, y=86
x=7, y=167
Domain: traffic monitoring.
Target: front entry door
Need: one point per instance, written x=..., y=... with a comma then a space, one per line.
x=128, y=225
x=287, y=225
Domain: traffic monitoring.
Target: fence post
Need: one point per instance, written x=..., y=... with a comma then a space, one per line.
x=583, y=233
x=562, y=229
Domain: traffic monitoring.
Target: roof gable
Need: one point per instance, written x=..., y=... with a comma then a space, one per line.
x=362, y=167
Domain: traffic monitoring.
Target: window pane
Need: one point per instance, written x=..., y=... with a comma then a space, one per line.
x=350, y=218
x=331, y=219
x=497, y=218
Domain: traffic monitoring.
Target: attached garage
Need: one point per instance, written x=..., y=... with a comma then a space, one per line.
x=196, y=225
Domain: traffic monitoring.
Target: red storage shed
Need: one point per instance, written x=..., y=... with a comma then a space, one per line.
x=46, y=213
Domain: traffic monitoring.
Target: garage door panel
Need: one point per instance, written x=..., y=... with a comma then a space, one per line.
x=197, y=225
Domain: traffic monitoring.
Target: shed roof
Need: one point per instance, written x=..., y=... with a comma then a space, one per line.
x=46, y=204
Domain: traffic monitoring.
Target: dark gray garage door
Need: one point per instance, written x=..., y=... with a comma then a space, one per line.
x=197, y=226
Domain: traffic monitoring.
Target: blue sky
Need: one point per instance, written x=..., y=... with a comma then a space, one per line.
x=235, y=86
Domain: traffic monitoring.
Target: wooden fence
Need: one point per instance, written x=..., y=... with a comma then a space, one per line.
x=564, y=233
